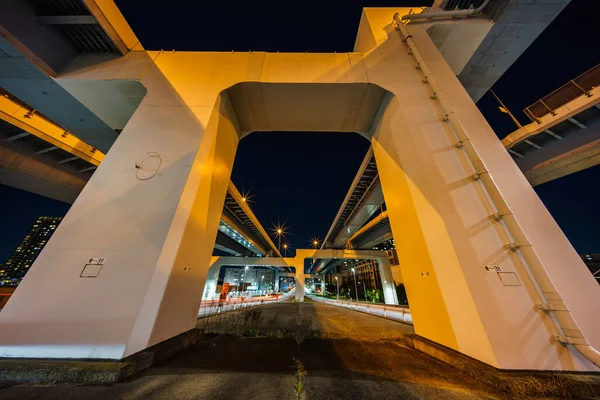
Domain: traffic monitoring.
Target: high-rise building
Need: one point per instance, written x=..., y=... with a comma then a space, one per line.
x=593, y=263
x=17, y=265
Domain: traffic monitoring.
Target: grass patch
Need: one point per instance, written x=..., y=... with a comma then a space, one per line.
x=248, y=323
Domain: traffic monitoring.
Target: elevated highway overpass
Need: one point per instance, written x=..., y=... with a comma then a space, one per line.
x=399, y=88
x=564, y=134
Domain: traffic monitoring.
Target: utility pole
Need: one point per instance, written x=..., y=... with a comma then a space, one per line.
x=505, y=110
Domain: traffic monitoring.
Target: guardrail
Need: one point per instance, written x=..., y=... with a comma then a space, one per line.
x=582, y=85
x=211, y=307
x=397, y=313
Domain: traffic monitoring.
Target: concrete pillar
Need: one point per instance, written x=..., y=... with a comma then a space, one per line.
x=387, y=281
x=299, y=265
x=153, y=228
x=441, y=219
x=212, y=278
x=277, y=277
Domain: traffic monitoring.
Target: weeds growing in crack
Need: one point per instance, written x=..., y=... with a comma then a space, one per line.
x=300, y=375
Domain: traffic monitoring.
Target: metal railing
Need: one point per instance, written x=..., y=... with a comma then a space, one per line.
x=397, y=313
x=460, y=4
x=212, y=307
x=580, y=86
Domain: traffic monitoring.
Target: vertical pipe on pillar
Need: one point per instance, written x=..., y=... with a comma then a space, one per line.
x=546, y=295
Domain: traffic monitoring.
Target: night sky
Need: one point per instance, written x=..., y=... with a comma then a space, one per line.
x=301, y=178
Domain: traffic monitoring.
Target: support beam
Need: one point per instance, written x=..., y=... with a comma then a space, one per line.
x=554, y=135
x=32, y=123
x=579, y=124
x=22, y=168
x=535, y=146
x=511, y=151
x=369, y=225
x=47, y=150
x=68, y=160
x=18, y=136
x=67, y=20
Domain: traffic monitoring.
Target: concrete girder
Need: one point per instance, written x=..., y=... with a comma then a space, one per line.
x=32, y=123
x=21, y=168
x=364, y=198
x=557, y=155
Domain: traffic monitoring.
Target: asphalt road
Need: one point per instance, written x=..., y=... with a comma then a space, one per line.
x=363, y=358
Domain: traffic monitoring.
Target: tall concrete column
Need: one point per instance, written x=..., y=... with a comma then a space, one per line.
x=448, y=242
x=212, y=278
x=276, y=286
x=387, y=281
x=153, y=229
x=299, y=265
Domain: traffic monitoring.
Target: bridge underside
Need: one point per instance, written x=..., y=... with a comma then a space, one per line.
x=455, y=210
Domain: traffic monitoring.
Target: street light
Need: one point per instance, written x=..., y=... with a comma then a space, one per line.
x=364, y=290
x=314, y=241
x=280, y=230
x=285, y=247
x=337, y=283
x=355, y=287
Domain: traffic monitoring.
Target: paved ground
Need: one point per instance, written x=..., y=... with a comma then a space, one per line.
x=344, y=367
x=328, y=321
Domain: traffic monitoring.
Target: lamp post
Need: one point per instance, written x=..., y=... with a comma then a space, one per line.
x=279, y=230
x=355, y=287
x=285, y=247
x=364, y=290
x=279, y=233
x=337, y=283
x=261, y=281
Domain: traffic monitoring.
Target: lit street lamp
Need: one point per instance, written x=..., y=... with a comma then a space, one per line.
x=355, y=287
x=285, y=247
x=314, y=241
x=337, y=283
x=279, y=230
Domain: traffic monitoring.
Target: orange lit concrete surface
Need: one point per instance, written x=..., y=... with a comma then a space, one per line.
x=487, y=270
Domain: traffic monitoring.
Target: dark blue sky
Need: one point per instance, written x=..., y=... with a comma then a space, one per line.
x=303, y=177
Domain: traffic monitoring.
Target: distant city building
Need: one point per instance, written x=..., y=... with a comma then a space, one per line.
x=17, y=265
x=253, y=279
x=390, y=247
x=593, y=263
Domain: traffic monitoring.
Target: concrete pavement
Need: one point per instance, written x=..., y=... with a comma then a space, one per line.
x=362, y=358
